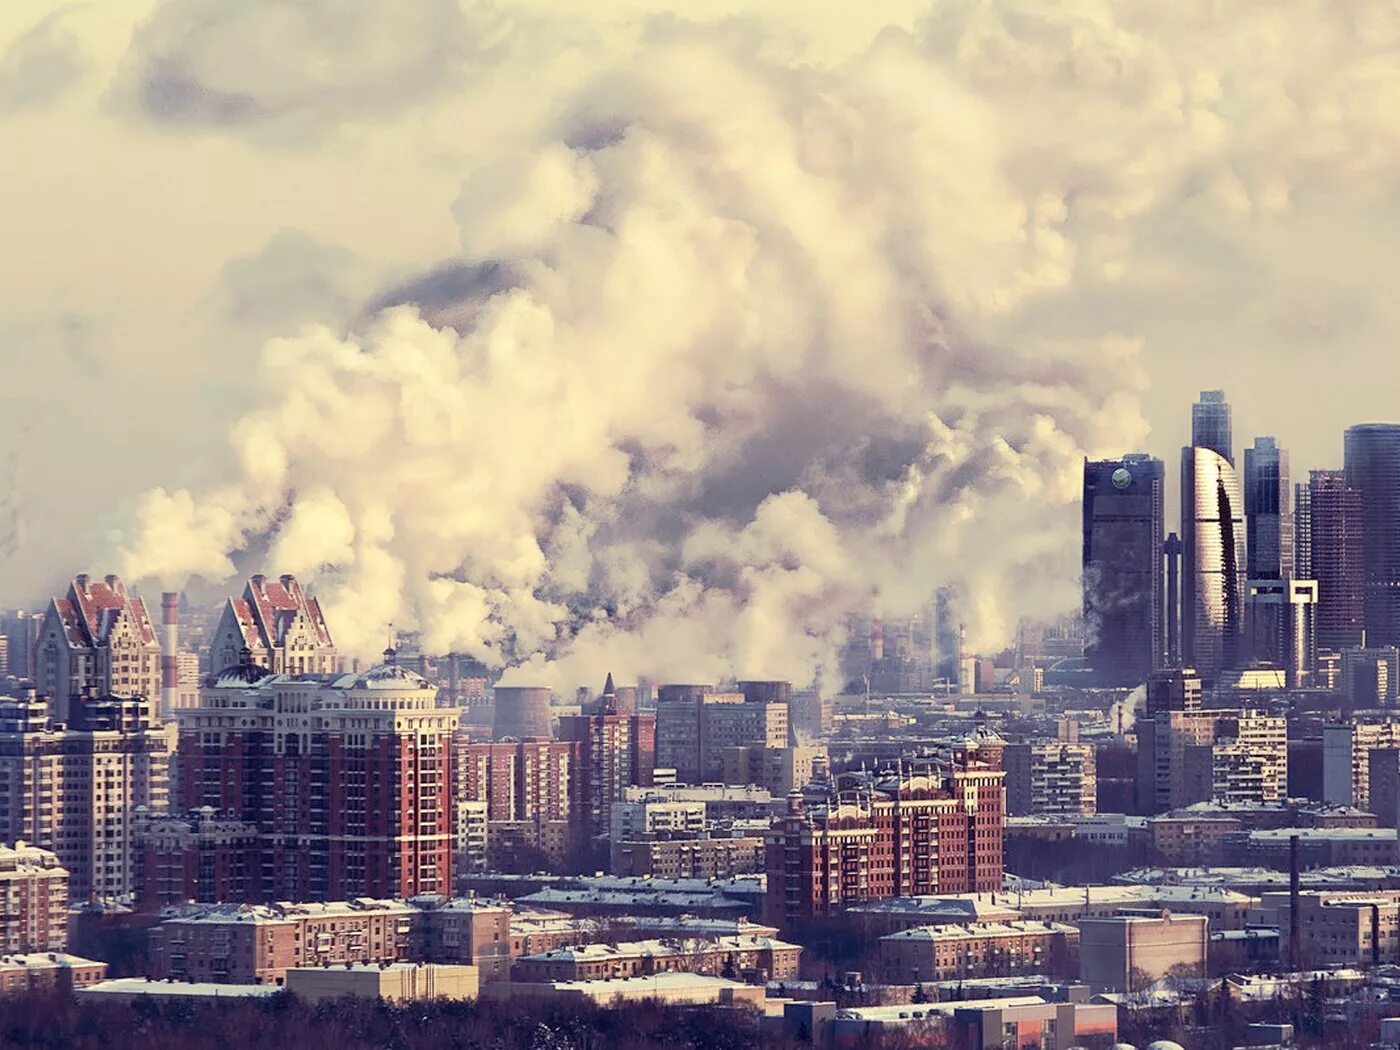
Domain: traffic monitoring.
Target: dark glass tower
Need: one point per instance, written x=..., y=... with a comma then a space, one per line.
x=1212, y=564
x=1337, y=559
x=1123, y=568
x=1268, y=508
x=1373, y=467
x=1210, y=425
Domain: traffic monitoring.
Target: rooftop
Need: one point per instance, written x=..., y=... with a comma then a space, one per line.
x=972, y=931
x=196, y=990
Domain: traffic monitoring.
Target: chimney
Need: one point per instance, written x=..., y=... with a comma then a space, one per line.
x=1294, y=946
x=82, y=581
x=169, y=661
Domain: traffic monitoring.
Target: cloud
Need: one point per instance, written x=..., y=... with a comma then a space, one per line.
x=44, y=63
x=303, y=67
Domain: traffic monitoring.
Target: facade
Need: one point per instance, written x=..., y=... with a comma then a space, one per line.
x=393, y=983
x=694, y=726
x=77, y=789
x=97, y=640
x=975, y=950
x=693, y=857
x=779, y=769
x=761, y=958
x=348, y=779
x=1337, y=558
x=258, y=944
x=1339, y=929
x=528, y=789
x=1123, y=569
x=1281, y=622
x=1213, y=575
x=198, y=856
x=936, y=832
x=1372, y=452
x=615, y=752
x=1125, y=953
x=282, y=628
x=1268, y=508
x=22, y=973
x=1371, y=677
x=1346, y=757
x=33, y=900
x=1050, y=778
x=1211, y=426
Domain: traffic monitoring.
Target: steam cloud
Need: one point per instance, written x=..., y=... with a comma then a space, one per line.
x=737, y=345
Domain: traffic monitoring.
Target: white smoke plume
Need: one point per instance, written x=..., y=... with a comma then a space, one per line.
x=736, y=344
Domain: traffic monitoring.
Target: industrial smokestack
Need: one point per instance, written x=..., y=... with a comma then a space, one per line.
x=169, y=660
x=1294, y=879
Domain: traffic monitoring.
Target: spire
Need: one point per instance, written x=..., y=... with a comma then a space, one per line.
x=608, y=688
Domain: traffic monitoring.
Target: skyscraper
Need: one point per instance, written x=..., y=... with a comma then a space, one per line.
x=1373, y=466
x=1302, y=531
x=1210, y=425
x=1123, y=567
x=1336, y=559
x=1268, y=508
x=1213, y=561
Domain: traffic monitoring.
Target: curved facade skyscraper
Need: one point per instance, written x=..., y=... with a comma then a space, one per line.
x=1214, y=567
x=1373, y=468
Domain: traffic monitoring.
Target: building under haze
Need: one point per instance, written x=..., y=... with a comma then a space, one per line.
x=281, y=627
x=1268, y=508
x=1210, y=425
x=1336, y=558
x=97, y=640
x=348, y=780
x=1213, y=576
x=1373, y=468
x=1123, y=568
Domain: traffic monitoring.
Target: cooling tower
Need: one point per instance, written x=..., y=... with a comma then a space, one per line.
x=522, y=712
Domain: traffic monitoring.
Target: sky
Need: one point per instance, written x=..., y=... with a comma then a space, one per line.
x=708, y=324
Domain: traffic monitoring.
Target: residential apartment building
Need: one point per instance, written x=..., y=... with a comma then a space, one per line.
x=975, y=950
x=33, y=900
x=97, y=640
x=258, y=944
x=1050, y=777
x=1346, y=756
x=693, y=857
x=348, y=779
x=759, y=958
x=529, y=791
x=939, y=831
x=695, y=725
x=779, y=769
x=615, y=752
x=77, y=789
x=281, y=627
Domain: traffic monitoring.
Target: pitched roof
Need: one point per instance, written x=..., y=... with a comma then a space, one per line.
x=97, y=606
x=275, y=606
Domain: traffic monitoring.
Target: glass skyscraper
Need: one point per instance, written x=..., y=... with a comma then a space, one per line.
x=1336, y=558
x=1213, y=562
x=1373, y=467
x=1123, y=568
x=1210, y=425
x=1268, y=508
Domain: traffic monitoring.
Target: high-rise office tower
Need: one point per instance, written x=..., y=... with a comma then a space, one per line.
x=1373, y=466
x=1281, y=624
x=1337, y=559
x=1268, y=508
x=1213, y=574
x=1123, y=567
x=1302, y=531
x=1210, y=425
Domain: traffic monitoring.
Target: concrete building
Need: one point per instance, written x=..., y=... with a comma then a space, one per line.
x=528, y=789
x=672, y=989
x=33, y=900
x=758, y=959
x=42, y=972
x=259, y=944
x=1339, y=928
x=779, y=769
x=1371, y=677
x=688, y=857
x=1346, y=756
x=694, y=726
x=390, y=983
x=656, y=815
x=347, y=779
x=993, y=949
x=522, y=713
x=1124, y=953
x=615, y=752
x=76, y=789
x=281, y=627
x=97, y=640
x=1050, y=777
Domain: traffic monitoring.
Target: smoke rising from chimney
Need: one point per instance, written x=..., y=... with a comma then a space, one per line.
x=736, y=346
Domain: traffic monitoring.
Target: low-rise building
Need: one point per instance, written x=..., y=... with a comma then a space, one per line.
x=1125, y=953
x=992, y=949
x=22, y=972
x=392, y=982
x=761, y=958
x=1338, y=929
x=688, y=858
x=688, y=989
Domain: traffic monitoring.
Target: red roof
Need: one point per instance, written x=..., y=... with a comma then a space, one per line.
x=274, y=606
x=98, y=605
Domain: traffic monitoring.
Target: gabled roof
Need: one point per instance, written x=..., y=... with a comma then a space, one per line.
x=93, y=608
x=274, y=606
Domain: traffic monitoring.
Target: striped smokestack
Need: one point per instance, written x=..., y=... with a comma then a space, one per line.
x=169, y=647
